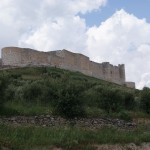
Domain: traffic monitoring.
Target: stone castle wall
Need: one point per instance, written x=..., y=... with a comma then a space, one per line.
x=20, y=57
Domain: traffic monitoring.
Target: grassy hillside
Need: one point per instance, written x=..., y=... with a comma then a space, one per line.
x=29, y=91
x=38, y=138
x=39, y=91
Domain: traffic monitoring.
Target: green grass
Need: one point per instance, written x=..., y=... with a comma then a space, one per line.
x=67, y=137
x=38, y=72
x=95, y=112
x=31, y=77
x=139, y=114
x=27, y=109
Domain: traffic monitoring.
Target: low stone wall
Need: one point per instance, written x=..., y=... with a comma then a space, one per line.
x=50, y=121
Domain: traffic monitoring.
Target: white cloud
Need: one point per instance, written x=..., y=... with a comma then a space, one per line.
x=73, y=7
x=61, y=33
x=54, y=23
x=145, y=80
x=16, y=17
x=122, y=38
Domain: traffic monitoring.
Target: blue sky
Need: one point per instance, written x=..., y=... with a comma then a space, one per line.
x=105, y=30
x=140, y=8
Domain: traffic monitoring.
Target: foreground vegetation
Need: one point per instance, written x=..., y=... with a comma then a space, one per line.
x=68, y=138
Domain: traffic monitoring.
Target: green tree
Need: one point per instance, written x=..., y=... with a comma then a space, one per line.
x=129, y=101
x=145, y=99
x=3, y=85
x=70, y=104
x=32, y=92
x=111, y=100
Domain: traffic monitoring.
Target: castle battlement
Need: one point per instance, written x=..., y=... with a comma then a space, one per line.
x=21, y=57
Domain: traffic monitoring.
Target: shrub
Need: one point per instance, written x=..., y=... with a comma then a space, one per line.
x=70, y=104
x=125, y=116
x=54, y=75
x=91, y=97
x=15, y=75
x=111, y=100
x=19, y=93
x=50, y=92
x=3, y=85
x=129, y=101
x=32, y=92
x=145, y=100
x=10, y=92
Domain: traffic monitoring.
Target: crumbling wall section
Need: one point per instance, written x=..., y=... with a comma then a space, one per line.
x=130, y=84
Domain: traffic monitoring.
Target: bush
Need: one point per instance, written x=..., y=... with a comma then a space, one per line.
x=70, y=104
x=50, y=92
x=32, y=92
x=19, y=93
x=125, y=116
x=3, y=86
x=111, y=100
x=129, y=101
x=91, y=98
x=145, y=100
x=10, y=92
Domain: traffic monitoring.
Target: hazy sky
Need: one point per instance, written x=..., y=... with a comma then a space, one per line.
x=117, y=31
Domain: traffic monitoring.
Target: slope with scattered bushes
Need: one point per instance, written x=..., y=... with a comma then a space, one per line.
x=61, y=92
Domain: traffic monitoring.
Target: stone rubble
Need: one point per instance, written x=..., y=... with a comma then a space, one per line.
x=50, y=121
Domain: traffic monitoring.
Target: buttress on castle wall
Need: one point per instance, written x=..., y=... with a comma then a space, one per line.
x=20, y=57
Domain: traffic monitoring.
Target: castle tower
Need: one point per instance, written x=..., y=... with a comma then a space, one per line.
x=106, y=70
x=122, y=73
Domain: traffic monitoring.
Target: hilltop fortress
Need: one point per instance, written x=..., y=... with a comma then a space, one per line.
x=21, y=57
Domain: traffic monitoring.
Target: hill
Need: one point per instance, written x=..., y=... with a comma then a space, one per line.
x=78, y=111
x=31, y=86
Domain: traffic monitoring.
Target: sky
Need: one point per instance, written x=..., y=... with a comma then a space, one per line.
x=115, y=31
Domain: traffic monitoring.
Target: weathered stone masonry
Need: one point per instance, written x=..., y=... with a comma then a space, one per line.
x=20, y=57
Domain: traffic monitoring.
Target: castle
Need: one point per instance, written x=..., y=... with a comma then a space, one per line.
x=21, y=57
